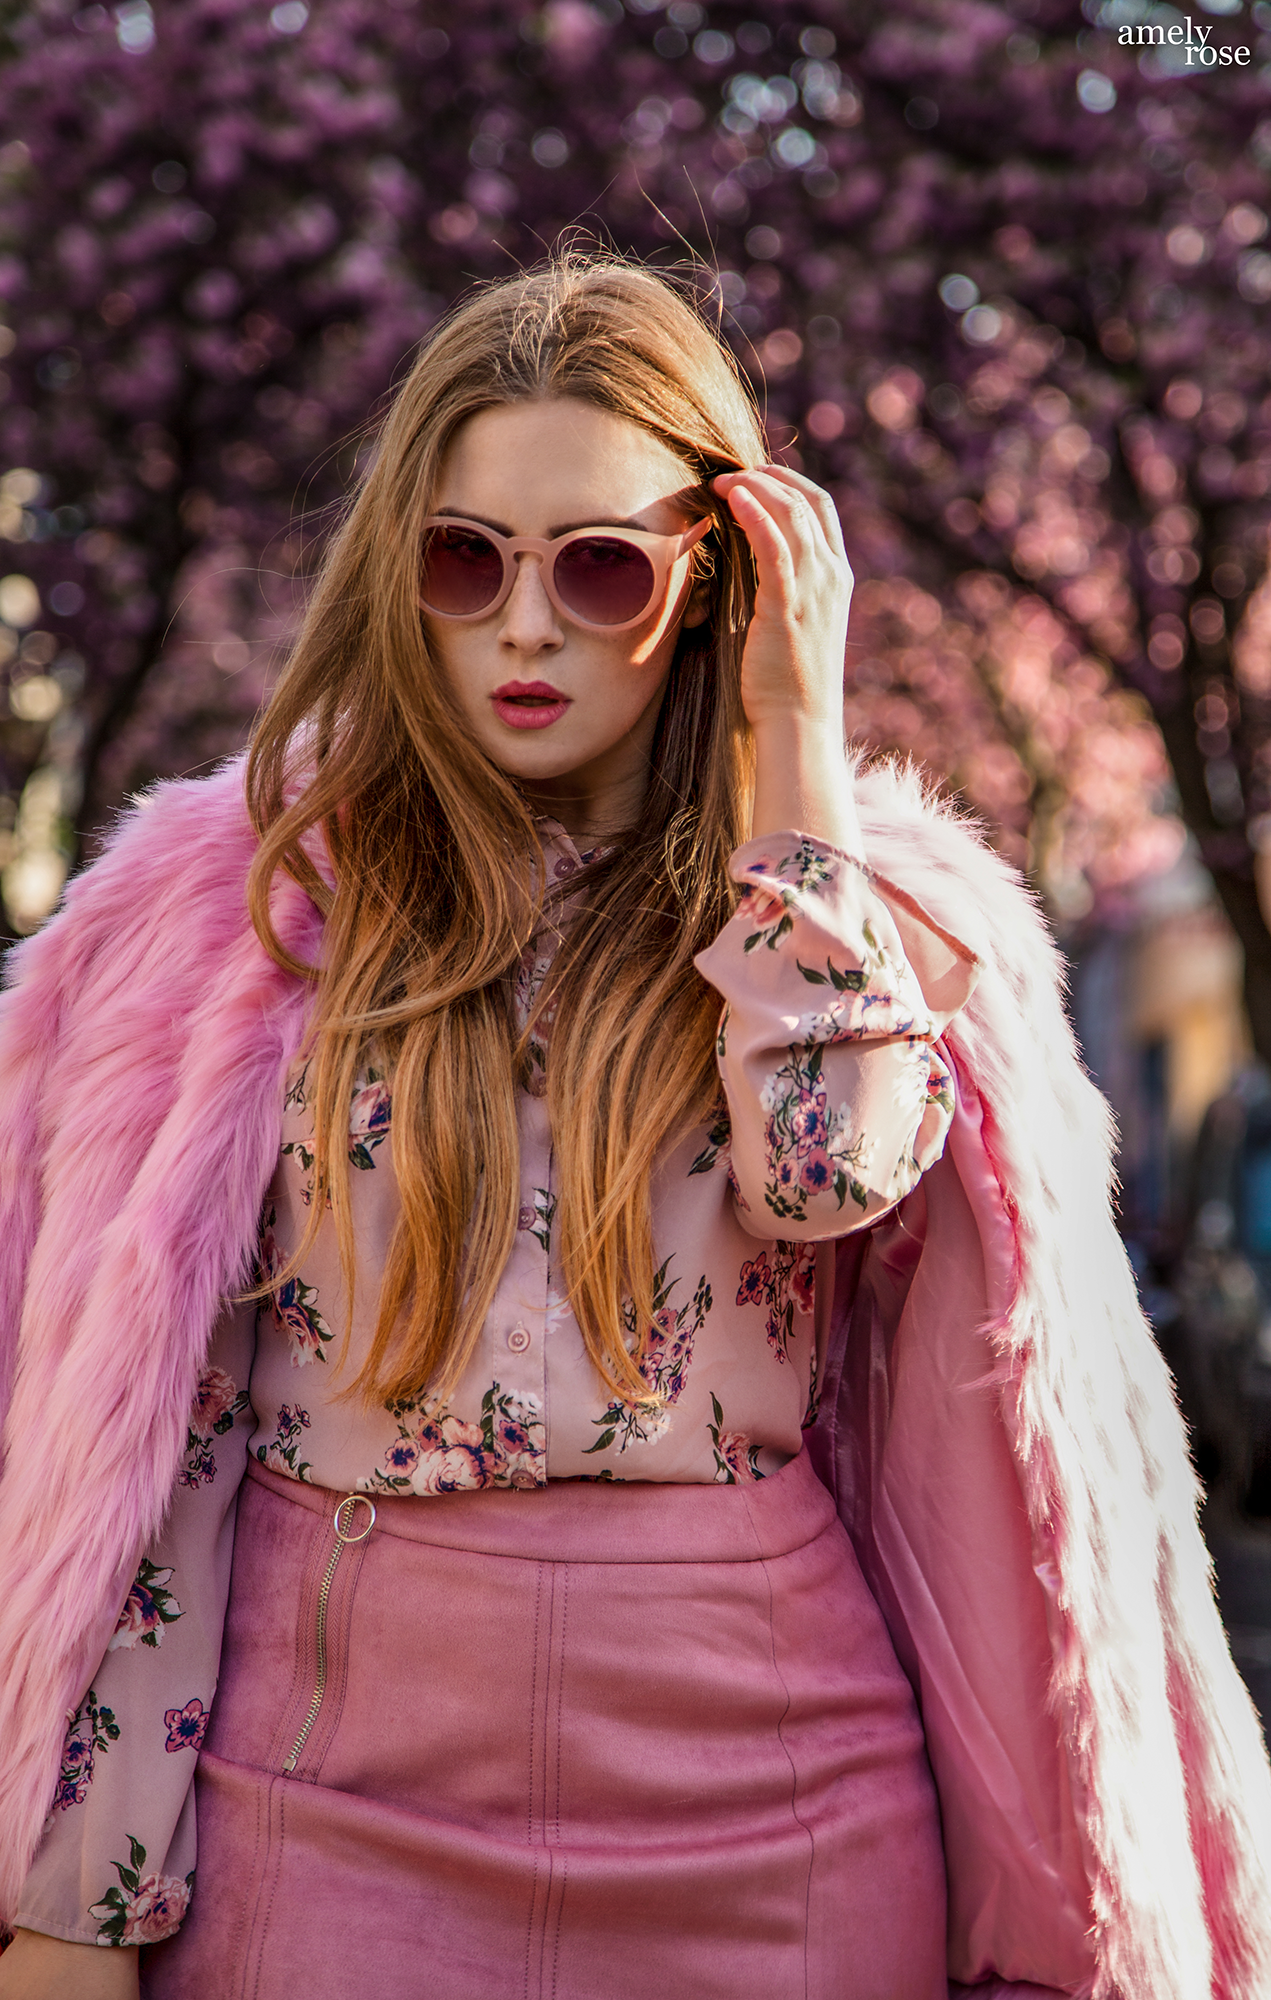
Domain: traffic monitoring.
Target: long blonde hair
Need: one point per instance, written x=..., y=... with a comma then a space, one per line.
x=438, y=868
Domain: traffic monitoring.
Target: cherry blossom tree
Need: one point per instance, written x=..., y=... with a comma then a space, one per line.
x=1000, y=280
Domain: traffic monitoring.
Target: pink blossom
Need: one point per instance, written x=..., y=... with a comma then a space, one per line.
x=401, y=1458
x=457, y=1432
x=760, y=904
x=817, y=1172
x=752, y=1288
x=73, y=1791
x=155, y=1909
x=662, y=1329
x=77, y=1750
x=803, y=1280
x=301, y=1332
x=512, y=1436
x=186, y=1726
x=460, y=1469
x=371, y=1111
x=807, y=1120
x=734, y=1448
x=213, y=1397
x=141, y=1614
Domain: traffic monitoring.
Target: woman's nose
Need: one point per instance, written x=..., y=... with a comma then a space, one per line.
x=529, y=616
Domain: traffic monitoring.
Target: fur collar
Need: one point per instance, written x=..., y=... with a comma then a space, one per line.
x=142, y=1049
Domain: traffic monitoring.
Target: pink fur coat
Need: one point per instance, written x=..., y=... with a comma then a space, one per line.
x=996, y=1423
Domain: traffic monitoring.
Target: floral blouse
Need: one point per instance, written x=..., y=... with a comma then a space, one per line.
x=833, y=1101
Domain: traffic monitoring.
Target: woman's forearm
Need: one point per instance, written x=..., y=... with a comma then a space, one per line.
x=803, y=781
x=36, y=1967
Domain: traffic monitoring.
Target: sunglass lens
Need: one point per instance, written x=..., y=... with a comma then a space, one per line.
x=605, y=582
x=462, y=571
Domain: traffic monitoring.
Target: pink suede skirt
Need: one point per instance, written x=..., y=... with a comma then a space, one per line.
x=588, y=1742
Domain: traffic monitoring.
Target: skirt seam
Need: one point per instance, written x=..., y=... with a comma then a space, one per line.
x=530, y=1784
x=785, y=1748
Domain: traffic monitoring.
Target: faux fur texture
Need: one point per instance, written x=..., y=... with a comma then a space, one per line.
x=1166, y=1750
x=142, y=1051
x=141, y=1057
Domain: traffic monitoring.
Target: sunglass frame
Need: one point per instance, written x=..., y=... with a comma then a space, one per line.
x=662, y=552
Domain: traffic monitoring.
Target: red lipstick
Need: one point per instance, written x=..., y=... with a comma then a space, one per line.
x=529, y=704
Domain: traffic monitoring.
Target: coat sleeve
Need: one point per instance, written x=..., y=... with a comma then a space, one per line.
x=838, y=1097
x=143, y=1043
x=116, y=1863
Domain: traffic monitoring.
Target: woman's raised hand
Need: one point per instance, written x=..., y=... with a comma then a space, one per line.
x=792, y=667
x=793, y=662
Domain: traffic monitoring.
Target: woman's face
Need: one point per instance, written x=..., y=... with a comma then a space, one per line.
x=568, y=711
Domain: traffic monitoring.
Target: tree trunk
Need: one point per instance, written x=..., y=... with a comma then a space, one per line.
x=1227, y=854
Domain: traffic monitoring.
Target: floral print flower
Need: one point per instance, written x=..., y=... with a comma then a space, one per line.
x=771, y=899
x=281, y=1453
x=809, y=1149
x=785, y=1286
x=370, y=1119
x=816, y=1173
x=141, y=1909
x=186, y=1726
x=538, y=1220
x=217, y=1401
x=436, y=1451
x=212, y=1399
x=400, y=1461
x=91, y=1729
x=665, y=1355
x=802, y=1275
x=939, y=1084
x=755, y=1277
x=294, y=1311
x=296, y=1316
x=807, y=1118
x=148, y=1607
x=736, y=1458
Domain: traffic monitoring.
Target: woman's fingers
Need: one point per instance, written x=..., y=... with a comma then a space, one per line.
x=787, y=510
x=818, y=499
x=814, y=545
x=769, y=544
x=792, y=497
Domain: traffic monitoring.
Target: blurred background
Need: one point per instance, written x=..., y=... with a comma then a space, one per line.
x=1001, y=275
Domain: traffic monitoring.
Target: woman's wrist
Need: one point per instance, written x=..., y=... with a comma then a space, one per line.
x=38, y=1967
x=803, y=781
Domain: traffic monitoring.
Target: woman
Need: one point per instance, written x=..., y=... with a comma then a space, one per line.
x=534, y=1012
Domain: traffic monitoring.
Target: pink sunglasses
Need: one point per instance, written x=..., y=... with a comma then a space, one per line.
x=607, y=578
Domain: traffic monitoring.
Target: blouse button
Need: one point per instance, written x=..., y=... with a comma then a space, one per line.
x=518, y=1340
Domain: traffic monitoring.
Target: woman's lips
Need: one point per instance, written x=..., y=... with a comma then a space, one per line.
x=528, y=704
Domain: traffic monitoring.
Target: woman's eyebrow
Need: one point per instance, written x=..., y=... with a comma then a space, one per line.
x=564, y=528
x=568, y=527
x=465, y=514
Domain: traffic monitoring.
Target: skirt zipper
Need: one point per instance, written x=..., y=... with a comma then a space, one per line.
x=320, y=1681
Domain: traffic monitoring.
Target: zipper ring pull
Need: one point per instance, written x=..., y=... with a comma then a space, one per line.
x=352, y=1500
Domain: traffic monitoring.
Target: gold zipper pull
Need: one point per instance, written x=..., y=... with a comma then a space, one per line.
x=342, y=1539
